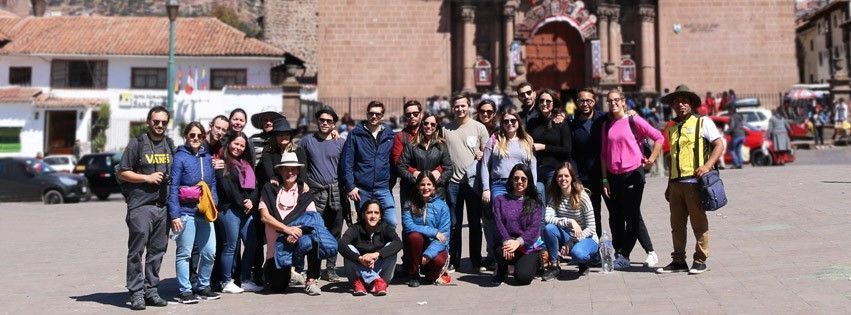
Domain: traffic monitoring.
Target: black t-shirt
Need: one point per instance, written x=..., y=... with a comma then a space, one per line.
x=150, y=158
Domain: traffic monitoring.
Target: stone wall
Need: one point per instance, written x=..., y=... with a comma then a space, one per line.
x=292, y=25
x=748, y=46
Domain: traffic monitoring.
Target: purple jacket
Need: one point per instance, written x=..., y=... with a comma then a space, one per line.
x=511, y=223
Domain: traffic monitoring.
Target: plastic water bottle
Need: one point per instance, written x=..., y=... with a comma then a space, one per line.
x=607, y=253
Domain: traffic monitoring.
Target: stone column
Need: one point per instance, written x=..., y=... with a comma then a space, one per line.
x=508, y=12
x=603, y=31
x=610, y=40
x=468, y=14
x=648, y=48
x=615, y=38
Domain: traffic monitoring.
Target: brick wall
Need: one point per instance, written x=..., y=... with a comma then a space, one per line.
x=292, y=26
x=383, y=48
x=748, y=46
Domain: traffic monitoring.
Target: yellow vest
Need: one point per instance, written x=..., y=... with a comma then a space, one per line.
x=688, y=148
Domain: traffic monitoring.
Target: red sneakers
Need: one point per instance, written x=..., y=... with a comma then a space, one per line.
x=359, y=287
x=379, y=287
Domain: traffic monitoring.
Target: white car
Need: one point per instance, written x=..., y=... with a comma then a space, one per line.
x=61, y=162
x=756, y=117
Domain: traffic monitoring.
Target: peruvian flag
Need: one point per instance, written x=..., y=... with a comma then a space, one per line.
x=190, y=82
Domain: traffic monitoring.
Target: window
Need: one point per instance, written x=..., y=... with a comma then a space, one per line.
x=811, y=45
x=819, y=58
x=10, y=139
x=78, y=74
x=20, y=76
x=221, y=77
x=149, y=78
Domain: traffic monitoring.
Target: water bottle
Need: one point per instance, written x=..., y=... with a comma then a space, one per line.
x=607, y=253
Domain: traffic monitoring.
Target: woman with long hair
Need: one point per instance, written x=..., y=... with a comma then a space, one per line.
x=426, y=224
x=369, y=251
x=237, y=196
x=191, y=171
x=518, y=216
x=510, y=146
x=425, y=153
x=571, y=227
x=486, y=114
x=553, y=141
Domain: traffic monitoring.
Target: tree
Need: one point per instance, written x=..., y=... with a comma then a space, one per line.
x=100, y=127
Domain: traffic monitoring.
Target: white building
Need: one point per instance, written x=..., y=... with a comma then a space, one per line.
x=55, y=71
x=822, y=42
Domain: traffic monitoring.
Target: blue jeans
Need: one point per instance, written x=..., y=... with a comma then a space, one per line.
x=237, y=226
x=384, y=197
x=198, y=232
x=458, y=195
x=555, y=236
x=736, y=150
x=384, y=268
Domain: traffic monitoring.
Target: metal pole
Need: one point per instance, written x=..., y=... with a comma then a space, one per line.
x=171, y=75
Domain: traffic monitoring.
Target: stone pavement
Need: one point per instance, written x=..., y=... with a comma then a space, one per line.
x=779, y=246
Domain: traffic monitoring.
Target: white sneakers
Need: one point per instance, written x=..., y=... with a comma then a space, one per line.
x=296, y=278
x=651, y=260
x=231, y=287
x=250, y=286
x=620, y=262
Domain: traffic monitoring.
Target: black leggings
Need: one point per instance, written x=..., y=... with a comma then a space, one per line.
x=278, y=280
x=525, y=266
x=625, y=220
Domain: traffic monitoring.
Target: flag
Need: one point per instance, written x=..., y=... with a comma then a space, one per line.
x=190, y=82
x=203, y=79
x=177, y=79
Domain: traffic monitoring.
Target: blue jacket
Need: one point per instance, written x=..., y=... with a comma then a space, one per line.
x=287, y=254
x=437, y=220
x=186, y=171
x=365, y=162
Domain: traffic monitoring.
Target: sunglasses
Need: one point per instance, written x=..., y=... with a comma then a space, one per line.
x=374, y=114
x=543, y=101
x=586, y=101
x=614, y=100
x=325, y=121
x=156, y=122
x=485, y=112
x=512, y=121
x=412, y=114
x=521, y=179
x=527, y=93
x=429, y=124
x=193, y=136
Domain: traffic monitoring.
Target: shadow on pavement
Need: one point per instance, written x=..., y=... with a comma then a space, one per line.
x=167, y=290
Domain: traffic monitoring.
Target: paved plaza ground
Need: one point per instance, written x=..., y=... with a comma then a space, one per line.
x=780, y=246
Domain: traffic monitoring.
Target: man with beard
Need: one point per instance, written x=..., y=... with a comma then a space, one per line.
x=586, y=131
x=527, y=97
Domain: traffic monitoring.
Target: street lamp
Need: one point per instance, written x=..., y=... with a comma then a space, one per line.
x=171, y=7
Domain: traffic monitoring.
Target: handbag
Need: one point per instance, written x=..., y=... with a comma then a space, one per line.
x=712, y=193
x=189, y=194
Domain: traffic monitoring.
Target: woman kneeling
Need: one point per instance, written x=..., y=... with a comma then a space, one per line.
x=570, y=222
x=518, y=216
x=369, y=251
x=425, y=224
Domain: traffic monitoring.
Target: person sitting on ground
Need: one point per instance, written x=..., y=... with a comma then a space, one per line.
x=518, y=217
x=570, y=222
x=369, y=251
x=293, y=230
x=425, y=224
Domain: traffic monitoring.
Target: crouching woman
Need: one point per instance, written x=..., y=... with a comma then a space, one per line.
x=369, y=251
x=518, y=216
x=425, y=224
x=294, y=229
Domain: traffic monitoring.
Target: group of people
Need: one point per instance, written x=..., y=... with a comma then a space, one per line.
x=531, y=184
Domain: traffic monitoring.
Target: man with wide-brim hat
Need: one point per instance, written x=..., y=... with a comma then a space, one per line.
x=689, y=135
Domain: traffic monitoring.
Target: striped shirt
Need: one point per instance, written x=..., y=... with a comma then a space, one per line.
x=584, y=216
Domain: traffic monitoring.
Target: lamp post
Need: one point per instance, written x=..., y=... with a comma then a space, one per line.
x=171, y=7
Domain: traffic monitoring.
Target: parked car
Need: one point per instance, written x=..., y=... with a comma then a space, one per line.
x=26, y=179
x=61, y=162
x=755, y=116
x=99, y=169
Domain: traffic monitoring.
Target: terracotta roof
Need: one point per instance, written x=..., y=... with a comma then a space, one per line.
x=101, y=35
x=15, y=94
x=52, y=102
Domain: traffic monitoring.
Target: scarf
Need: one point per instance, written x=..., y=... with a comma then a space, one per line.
x=246, y=174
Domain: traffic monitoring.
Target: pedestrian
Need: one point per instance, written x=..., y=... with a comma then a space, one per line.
x=77, y=149
x=586, y=131
x=426, y=226
x=819, y=119
x=466, y=139
x=570, y=223
x=840, y=119
x=425, y=153
x=321, y=151
x=518, y=216
x=623, y=166
x=683, y=193
x=294, y=230
x=552, y=139
x=778, y=131
x=193, y=180
x=369, y=251
x=144, y=176
x=736, y=130
x=512, y=145
x=413, y=115
x=527, y=97
x=237, y=197
x=365, y=162
x=709, y=105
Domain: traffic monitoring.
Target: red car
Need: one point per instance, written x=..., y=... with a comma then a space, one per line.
x=758, y=150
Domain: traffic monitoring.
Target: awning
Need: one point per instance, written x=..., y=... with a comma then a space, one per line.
x=801, y=94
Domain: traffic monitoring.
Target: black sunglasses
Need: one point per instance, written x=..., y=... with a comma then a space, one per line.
x=156, y=122
x=412, y=114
